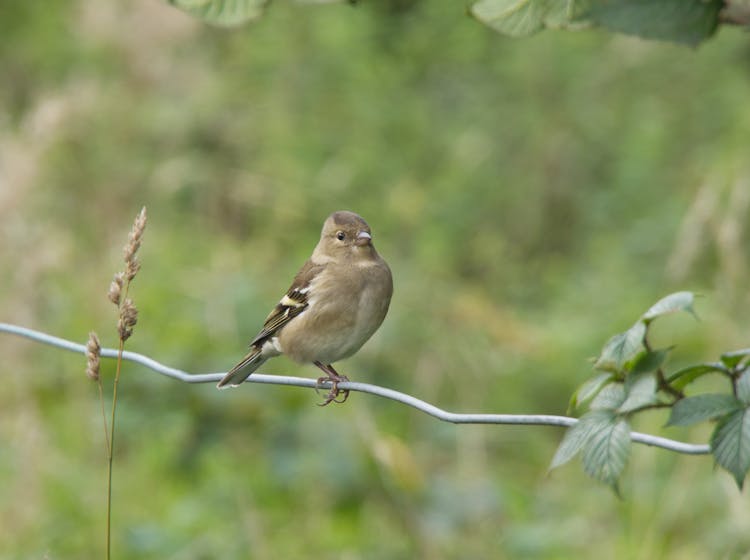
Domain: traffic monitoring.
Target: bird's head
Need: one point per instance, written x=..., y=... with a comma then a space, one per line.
x=346, y=233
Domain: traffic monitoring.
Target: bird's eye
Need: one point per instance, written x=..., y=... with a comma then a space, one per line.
x=340, y=235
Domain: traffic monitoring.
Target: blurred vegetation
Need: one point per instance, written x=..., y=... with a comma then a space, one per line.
x=682, y=21
x=531, y=196
x=688, y=22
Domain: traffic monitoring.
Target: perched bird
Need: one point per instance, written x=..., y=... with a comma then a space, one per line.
x=336, y=302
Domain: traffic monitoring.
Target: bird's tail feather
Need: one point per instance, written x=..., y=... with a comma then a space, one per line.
x=242, y=371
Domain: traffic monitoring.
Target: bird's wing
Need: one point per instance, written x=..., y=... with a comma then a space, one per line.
x=294, y=302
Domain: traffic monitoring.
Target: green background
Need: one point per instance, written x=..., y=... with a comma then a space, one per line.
x=532, y=196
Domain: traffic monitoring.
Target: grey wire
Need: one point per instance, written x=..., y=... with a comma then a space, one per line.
x=432, y=410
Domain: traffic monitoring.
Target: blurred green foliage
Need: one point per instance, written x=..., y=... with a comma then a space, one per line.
x=531, y=196
x=681, y=21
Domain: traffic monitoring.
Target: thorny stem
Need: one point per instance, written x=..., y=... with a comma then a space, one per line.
x=666, y=387
x=734, y=376
x=662, y=380
x=651, y=407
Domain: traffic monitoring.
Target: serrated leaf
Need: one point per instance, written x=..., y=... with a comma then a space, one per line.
x=731, y=359
x=517, y=18
x=609, y=398
x=621, y=348
x=743, y=388
x=640, y=392
x=682, y=378
x=708, y=406
x=730, y=444
x=647, y=361
x=606, y=451
x=577, y=435
x=588, y=390
x=678, y=301
x=681, y=21
x=521, y=18
x=566, y=14
x=225, y=13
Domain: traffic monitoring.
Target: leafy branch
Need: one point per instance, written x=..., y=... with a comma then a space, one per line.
x=681, y=21
x=632, y=379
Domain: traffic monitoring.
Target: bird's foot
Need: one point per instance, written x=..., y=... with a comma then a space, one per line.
x=334, y=378
x=334, y=393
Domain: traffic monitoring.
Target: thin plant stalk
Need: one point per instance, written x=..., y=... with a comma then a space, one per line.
x=104, y=416
x=111, y=447
x=126, y=321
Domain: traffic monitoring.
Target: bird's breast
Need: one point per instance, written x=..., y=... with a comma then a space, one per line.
x=342, y=314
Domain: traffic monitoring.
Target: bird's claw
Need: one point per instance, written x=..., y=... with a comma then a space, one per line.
x=333, y=394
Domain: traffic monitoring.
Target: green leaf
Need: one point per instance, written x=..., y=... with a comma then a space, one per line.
x=521, y=18
x=609, y=398
x=640, y=392
x=680, y=21
x=577, y=435
x=678, y=301
x=647, y=362
x=588, y=390
x=225, y=13
x=743, y=388
x=730, y=444
x=565, y=14
x=621, y=348
x=731, y=359
x=691, y=410
x=682, y=378
x=606, y=450
x=517, y=18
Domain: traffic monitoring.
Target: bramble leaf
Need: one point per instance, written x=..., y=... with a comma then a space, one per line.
x=577, y=435
x=743, y=388
x=517, y=18
x=609, y=398
x=731, y=359
x=680, y=21
x=678, y=301
x=641, y=392
x=647, y=361
x=588, y=390
x=606, y=451
x=682, y=378
x=224, y=13
x=520, y=18
x=566, y=14
x=621, y=348
x=692, y=410
x=730, y=444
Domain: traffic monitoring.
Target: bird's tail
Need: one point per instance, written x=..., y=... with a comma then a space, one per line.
x=242, y=371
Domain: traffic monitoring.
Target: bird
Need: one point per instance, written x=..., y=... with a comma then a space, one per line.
x=336, y=302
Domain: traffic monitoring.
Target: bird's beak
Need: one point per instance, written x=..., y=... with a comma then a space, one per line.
x=363, y=238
